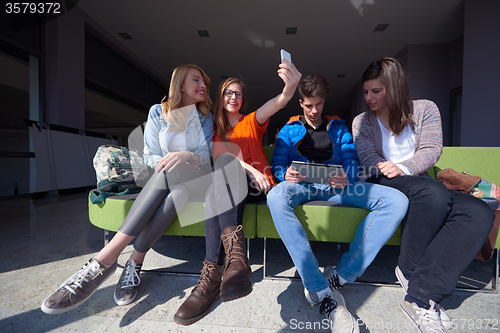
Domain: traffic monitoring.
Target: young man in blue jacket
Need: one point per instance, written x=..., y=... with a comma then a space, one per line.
x=314, y=137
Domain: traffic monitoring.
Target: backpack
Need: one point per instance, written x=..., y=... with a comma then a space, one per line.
x=119, y=171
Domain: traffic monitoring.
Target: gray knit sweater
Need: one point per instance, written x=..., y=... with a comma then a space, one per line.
x=428, y=138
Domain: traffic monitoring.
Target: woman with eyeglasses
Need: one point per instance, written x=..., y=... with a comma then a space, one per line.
x=241, y=175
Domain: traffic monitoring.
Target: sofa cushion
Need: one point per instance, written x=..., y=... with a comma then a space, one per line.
x=322, y=221
x=110, y=214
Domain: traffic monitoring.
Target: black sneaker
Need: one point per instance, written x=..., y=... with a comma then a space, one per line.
x=128, y=285
x=78, y=288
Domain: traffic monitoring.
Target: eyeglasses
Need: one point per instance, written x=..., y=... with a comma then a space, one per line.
x=229, y=93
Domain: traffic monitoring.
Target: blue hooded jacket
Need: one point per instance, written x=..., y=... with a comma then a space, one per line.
x=291, y=136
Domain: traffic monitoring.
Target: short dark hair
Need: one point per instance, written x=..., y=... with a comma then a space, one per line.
x=313, y=86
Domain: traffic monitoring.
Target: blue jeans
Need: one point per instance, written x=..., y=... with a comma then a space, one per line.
x=387, y=208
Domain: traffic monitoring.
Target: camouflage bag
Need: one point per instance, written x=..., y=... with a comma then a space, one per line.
x=119, y=171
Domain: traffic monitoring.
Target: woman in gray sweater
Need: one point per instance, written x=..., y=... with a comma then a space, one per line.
x=397, y=140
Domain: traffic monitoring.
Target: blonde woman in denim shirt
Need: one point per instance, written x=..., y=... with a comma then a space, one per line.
x=176, y=144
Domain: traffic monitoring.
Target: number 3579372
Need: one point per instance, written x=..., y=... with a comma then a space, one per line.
x=33, y=8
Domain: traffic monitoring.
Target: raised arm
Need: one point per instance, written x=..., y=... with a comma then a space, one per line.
x=291, y=77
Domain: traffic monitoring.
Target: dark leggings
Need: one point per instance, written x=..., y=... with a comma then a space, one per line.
x=156, y=206
x=442, y=232
x=225, y=203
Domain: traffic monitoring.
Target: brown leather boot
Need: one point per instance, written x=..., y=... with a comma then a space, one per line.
x=203, y=295
x=237, y=273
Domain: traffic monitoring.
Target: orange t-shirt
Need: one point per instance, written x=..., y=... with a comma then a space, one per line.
x=245, y=141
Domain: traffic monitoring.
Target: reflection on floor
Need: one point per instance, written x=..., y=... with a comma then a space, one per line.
x=44, y=241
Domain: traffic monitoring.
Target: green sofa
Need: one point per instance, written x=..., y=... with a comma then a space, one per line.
x=339, y=224
x=321, y=221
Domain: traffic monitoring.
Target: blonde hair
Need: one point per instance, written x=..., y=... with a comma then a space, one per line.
x=173, y=102
x=220, y=119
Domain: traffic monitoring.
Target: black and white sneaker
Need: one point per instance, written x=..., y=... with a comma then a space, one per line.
x=332, y=306
x=331, y=276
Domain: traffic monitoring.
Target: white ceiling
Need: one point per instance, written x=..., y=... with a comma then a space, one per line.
x=333, y=37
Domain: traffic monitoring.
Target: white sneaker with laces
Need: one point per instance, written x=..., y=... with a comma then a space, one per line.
x=332, y=306
x=332, y=277
x=333, y=281
x=425, y=320
x=445, y=319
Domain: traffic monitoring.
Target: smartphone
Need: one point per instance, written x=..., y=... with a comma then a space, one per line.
x=285, y=55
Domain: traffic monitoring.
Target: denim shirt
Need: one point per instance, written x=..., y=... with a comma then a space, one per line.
x=157, y=136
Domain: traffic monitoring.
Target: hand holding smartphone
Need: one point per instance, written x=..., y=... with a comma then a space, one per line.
x=286, y=56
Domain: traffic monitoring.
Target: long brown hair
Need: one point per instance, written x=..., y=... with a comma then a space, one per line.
x=220, y=119
x=173, y=102
x=393, y=75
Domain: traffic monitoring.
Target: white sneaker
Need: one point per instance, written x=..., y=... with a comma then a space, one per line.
x=445, y=319
x=332, y=277
x=334, y=309
x=333, y=281
x=312, y=298
x=425, y=320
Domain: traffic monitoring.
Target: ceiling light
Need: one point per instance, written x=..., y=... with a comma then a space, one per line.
x=291, y=30
x=203, y=33
x=340, y=75
x=125, y=35
x=381, y=27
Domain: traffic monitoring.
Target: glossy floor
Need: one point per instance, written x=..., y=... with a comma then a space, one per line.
x=45, y=241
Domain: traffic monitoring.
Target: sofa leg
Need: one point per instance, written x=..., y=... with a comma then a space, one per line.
x=264, y=260
x=494, y=283
x=106, y=237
